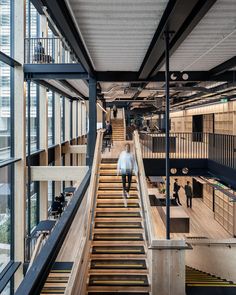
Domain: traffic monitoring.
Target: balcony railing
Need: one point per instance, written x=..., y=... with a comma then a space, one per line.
x=220, y=148
x=182, y=145
x=48, y=50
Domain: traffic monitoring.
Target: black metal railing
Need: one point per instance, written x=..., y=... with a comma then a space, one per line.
x=222, y=149
x=47, y=50
x=182, y=145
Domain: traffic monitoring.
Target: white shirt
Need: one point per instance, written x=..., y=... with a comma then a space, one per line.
x=126, y=163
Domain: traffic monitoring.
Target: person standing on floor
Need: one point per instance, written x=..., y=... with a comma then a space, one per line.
x=114, y=111
x=189, y=194
x=176, y=192
x=126, y=166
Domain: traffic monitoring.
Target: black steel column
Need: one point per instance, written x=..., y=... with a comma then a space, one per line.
x=92, y=120
x=28, y=157
x=167, y=147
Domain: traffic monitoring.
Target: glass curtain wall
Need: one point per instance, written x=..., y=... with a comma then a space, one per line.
x=6, y=79
x=32, y=212
x=51, y=189
x=62, y=104
x=6, y=215
x=50, y=118
x=6, y=138
x=6, y=144
x=34, y=117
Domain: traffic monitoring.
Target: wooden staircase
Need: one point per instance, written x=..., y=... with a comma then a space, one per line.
x=118, y=250
x=117, y=129
x=57, y=279
x=199, y=282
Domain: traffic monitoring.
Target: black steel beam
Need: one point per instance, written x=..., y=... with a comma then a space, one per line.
x=225, y=66
x=54, y=71
x=61, y=16
x=73, y=89
x=175, y=76
x=196, y=167
x=180, y=16
x=8, y=60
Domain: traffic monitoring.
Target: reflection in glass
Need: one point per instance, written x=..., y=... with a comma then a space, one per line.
x=34, y=113
x=62, y=103
x=50, y=118
x=51, y=190
x=34, y=207
x=5, y=26
x=5, y=111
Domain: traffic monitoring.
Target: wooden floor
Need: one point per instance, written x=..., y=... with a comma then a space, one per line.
x=202, y=222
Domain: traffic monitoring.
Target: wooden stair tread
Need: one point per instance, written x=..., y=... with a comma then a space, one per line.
x=118, y=224
x=116, y=250
x=117, y=215
x=124, y=280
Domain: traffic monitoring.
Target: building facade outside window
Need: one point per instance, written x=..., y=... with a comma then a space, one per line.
x=32, y=210
x=5, y=112
x=6, y=215
x=34, y=117
x=51, y=112
x=51, y=189
x=62, y=104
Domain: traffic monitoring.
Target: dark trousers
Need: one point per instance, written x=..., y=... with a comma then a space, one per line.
x=126, y=176
x=189, y=201
x=176, y=196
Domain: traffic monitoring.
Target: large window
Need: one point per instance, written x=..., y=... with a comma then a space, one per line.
x=50, y=118
x=62, y=103
x=77, y=119
x=32, y=21
x=51, y=189
x=5, y=112
x=6, y=213
x=34, y=117
x=5, y=26
x=32, y=212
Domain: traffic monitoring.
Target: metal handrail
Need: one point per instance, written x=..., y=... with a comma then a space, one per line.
x=48, y=50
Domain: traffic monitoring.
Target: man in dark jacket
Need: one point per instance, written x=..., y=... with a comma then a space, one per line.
x=108, y=129
x=189, y=194
x=56, y=207
x=176, y=192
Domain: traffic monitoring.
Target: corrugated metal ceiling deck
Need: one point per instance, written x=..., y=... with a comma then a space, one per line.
x=211, y=42
x=117, y=33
